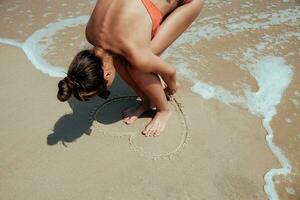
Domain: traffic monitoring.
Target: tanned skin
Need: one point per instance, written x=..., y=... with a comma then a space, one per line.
x=121, y=30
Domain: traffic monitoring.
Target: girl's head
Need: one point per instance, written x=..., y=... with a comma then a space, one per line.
x=89, y=74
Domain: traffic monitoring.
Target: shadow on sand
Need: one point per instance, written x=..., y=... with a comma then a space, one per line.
x=72, y=126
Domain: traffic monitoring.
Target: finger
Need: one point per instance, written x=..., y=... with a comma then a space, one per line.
x=157, y=132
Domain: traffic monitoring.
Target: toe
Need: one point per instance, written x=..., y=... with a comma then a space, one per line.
x=149, y=132
x=130, y=120
x=160, y=129
x=125, y=120
x=146, y=130
x=154, y=129
x=157, y=132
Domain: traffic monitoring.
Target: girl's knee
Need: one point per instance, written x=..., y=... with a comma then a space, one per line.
x=198, y=5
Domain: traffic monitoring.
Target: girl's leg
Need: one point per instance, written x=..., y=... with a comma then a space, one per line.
x=121, y=66
x=149, y=84
x=152, y=86
x=131, y=114
x=174, y=25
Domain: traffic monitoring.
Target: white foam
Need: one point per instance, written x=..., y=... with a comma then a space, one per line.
x=262, y=103
x=46, y=14
x=272, y=74
x=271, y=19
x=11, y=42
x=272, y=84
x=35, y=49
x=208, y=91
x=273, y=77
x=288, y=120
x=295, y=102
x=290, y=191
x=212, y=28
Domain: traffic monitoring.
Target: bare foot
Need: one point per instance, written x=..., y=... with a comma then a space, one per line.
x=157, y=124
x=133, y=113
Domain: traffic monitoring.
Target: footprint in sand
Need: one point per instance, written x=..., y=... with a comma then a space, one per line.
x=107, y=119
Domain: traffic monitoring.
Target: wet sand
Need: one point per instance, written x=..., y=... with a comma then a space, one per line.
x=215, y=145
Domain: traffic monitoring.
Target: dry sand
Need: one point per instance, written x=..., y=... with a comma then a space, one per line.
x=212, y=149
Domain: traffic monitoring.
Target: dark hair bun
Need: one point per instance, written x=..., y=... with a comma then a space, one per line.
x=64, y=90
x=84, y=78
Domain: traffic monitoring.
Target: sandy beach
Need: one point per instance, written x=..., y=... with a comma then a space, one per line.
x=234, y=133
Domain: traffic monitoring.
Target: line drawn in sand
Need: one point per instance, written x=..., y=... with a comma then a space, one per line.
x=132, y=135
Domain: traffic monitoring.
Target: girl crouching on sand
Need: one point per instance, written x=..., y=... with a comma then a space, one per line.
x=128, y=36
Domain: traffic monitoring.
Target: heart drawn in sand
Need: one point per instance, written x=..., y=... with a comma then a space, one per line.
x=106, y=118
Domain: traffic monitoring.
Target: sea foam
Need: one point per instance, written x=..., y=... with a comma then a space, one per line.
x=35, y=49
x=273, y=76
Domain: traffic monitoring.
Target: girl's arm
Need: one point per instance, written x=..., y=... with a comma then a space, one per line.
x=171, y=28
x=146, y=59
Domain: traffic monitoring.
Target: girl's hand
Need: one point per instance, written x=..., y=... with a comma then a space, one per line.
x=171, y=91
x=166, y=88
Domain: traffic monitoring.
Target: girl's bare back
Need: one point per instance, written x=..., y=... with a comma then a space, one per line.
x=115, y=24
x=124, y=27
